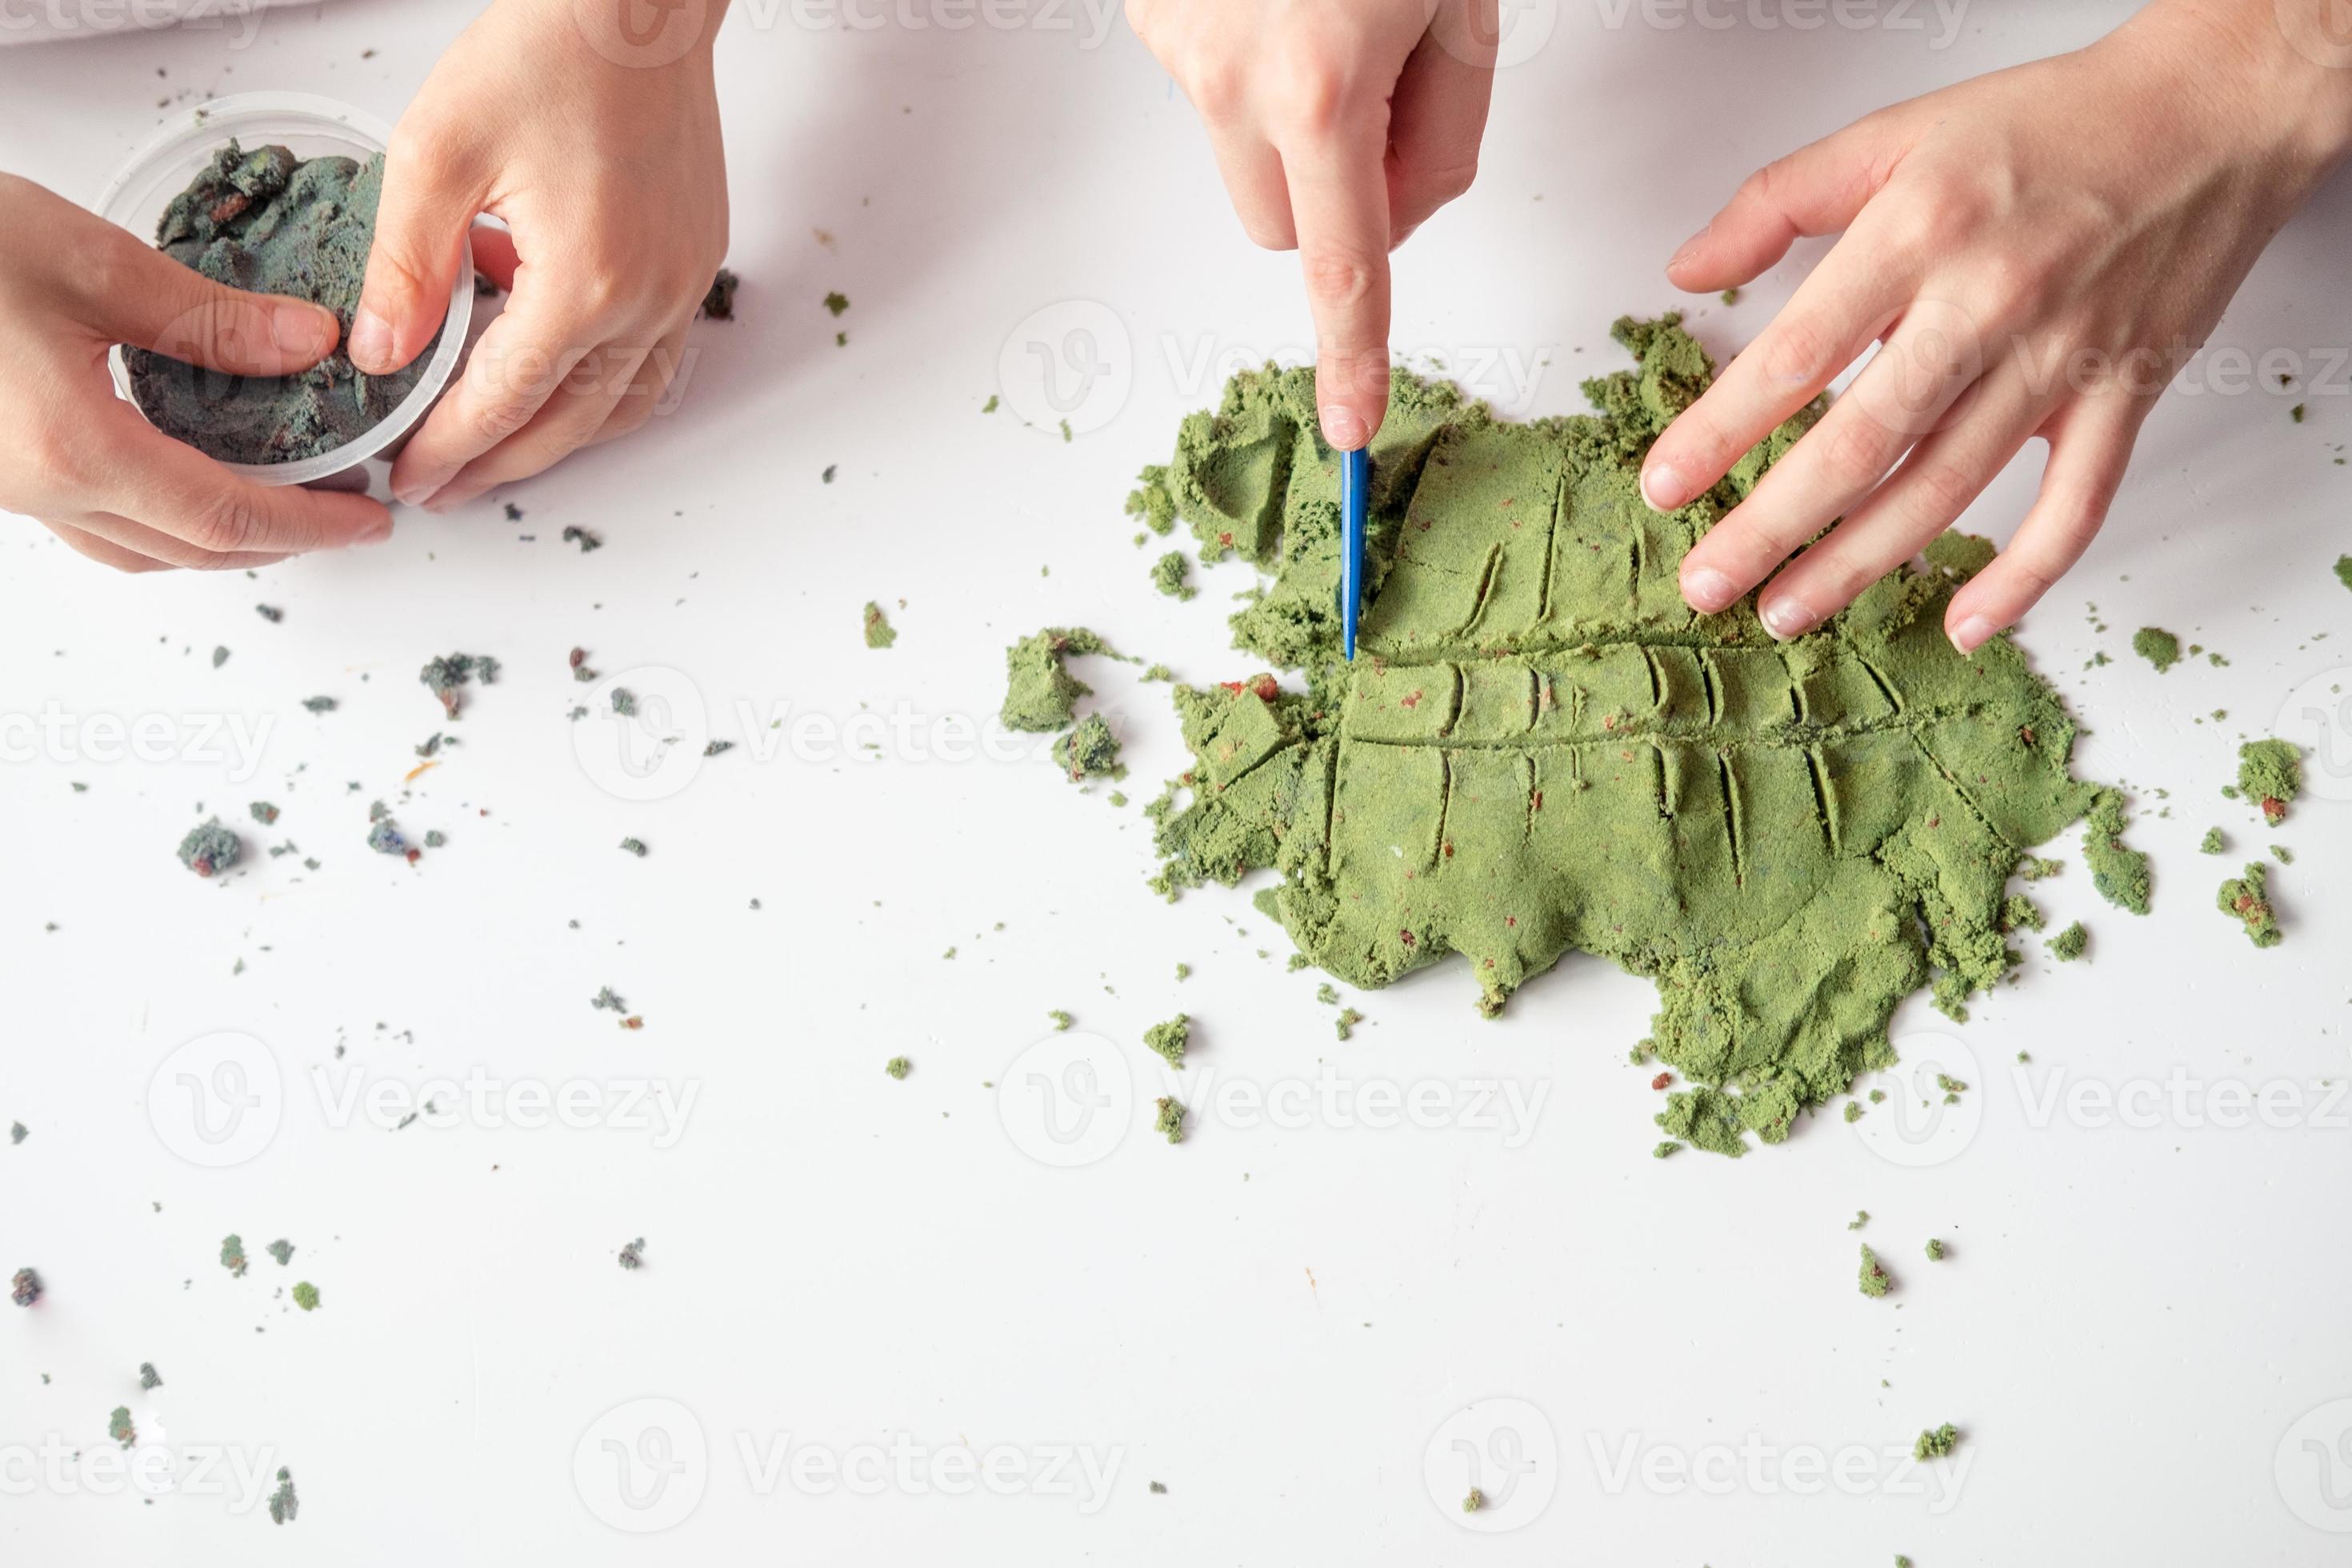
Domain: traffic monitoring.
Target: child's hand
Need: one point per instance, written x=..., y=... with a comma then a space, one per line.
x=610, y=177
x=2040, y=251
x=84, y=462
x=1338, y=126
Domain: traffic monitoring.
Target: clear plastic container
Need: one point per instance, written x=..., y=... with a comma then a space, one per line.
x=309, y=127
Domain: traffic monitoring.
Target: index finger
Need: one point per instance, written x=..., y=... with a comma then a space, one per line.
x=1340, y=202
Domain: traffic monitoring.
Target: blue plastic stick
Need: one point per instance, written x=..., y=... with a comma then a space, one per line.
x=1355, y=501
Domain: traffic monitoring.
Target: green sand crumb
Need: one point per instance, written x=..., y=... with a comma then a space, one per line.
x=232, y=1255
x=836, y=301
x=444, y=676
x=718, y=302
x=1167, y=575
x=24, y=1287
x=119, y=1427
x=2211, y=843
x=1475, y=1501
x=2156, y=646
x=635, y=847
x=2119, y=872
x=1327, y=994
x=879, y=632
x=2344, y=569
x=18, y=1131
x=2247, y=898
x=263, y=812
x=209, y=848
x=1665, y=1151
x=282, y=1502
x=1183, y=971
x=2034, y=868
x=2019, y=912
x=632, y=1256
x=1171, y=1037
x=1936, y=1444
x=1170, y=1118
x=2282, y=854
x=1936, y=1250
x=2071, y=943
x=1040, y=691
x=320, y=704
x=149, y=1378
x=1090, y=751
x=306, y=1296
x=1061, y=1020
x=1544, y=749
x=1854, y=1111
x=897, y=1067
x=1861, y=1218
x=2269, y=773
x=1345, y=1024
x=282, y=1250
x=1875, y=1279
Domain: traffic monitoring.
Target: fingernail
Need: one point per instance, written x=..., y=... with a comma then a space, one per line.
x=1786, y=618
x=375, y=532
x=1343, y=428
x=371, y=344
x=1661, y=487
x=1708, y=590
x=1693, y=243
x=1972, y=633
x=413, y=493
x=301, y=330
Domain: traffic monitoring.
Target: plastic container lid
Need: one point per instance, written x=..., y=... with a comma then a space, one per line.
x=310, y=127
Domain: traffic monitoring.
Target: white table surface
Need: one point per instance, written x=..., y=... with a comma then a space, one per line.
x=2141, y=1327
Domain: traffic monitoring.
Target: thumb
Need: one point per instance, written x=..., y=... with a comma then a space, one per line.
x=142, y=297
x=429, y=201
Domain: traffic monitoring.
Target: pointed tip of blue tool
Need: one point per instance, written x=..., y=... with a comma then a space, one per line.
x=1355, y=503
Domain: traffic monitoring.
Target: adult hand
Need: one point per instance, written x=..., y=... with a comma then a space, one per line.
x=2038, y=252
x=85, y=463
x=1338, y=125
x=602, y=154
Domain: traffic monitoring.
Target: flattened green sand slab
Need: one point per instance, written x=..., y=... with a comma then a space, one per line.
x=1546, y=750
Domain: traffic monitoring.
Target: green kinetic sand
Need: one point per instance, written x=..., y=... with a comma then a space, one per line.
x=1544, y=749
x=267, y=222
x=2269, y=773
x=2248, y=898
